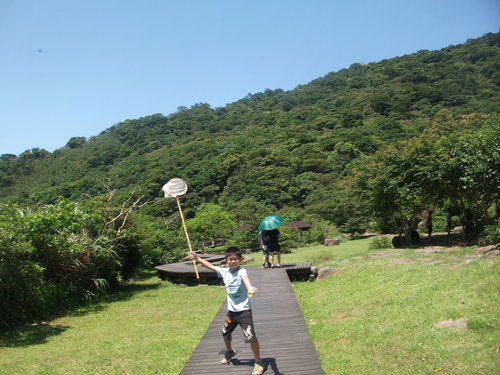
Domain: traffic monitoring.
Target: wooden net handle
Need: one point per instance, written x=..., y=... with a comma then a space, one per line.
x=187, y=236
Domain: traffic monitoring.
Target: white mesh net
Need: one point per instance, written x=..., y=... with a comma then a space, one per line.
x=174, y=187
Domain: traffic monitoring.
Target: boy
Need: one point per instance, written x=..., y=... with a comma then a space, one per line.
x=239, y=290
x=262, y=237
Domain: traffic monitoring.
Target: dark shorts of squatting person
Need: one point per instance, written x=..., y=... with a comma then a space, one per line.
x=242, y=318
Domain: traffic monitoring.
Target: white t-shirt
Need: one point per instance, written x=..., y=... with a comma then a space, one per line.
x=237, y=293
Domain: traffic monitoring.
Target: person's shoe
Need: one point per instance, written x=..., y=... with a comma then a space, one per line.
x=258, y=369
x=263, y=266
x=228, y=356
x=278, y=265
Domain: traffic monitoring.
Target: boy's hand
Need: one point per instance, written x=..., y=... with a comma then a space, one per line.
x=252, y=291
x=192, y=255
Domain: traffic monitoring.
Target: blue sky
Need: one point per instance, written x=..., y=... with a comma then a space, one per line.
x=76, y=67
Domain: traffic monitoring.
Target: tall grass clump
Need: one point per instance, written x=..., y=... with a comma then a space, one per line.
x=51, y=256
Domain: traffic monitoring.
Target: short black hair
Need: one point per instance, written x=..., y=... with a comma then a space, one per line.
x=233, y=250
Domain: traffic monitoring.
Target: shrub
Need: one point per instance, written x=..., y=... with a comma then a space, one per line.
x=21, y=283
x=321, y=230
x=380, y=243
x=490, y=235
x=50, y=257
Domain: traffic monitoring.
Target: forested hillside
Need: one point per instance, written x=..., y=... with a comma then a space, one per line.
x=276, y=148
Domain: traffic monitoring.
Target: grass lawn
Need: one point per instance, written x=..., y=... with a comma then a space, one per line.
x=150, y=328
x=376, y=315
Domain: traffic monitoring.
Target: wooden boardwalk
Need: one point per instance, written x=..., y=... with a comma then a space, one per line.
x=285, y=345
x=184, y=271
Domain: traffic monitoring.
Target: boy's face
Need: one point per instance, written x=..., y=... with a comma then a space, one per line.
x=233, y=261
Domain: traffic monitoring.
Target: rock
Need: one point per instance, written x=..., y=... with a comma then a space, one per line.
x=314, y=271
x=489, y=251
x=399, y=241
x=431, y=250
x=485, y=249
x=331, y=241
x=452, y=323
x=324, y=272
x=246, y=260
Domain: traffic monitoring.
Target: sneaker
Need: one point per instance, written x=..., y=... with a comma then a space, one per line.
x=258, y=369
x=228, y=356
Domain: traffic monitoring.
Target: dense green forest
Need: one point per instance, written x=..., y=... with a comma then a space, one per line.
x=370, y=147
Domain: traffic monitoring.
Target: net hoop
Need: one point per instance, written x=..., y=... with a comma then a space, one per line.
x=174, y=188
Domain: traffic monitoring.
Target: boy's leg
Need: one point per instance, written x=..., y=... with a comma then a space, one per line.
x=227, y=342
x=279, y=259
x=265, y=258
x=229, y=326
x=245, y=320
x=255, y=350
x=258, y=367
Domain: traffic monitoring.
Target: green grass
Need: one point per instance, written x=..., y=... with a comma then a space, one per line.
x=375, y=316
x=150, y=328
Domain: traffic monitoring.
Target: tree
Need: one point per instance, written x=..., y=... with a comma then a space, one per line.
x=467, y=165
x=211, y=222
x=457, y=160
x=75, y=142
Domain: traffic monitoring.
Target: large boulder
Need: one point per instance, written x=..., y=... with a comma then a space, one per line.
x=399, y=241
x=331, y=241
x=324, y=272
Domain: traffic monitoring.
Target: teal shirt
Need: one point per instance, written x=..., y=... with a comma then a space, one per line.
x=237, y=293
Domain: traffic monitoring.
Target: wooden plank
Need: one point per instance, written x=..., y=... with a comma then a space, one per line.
x=186, y=271
x=285, y=345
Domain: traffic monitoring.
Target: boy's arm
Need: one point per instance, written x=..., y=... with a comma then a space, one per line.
x=251, y=289
x=204, y=262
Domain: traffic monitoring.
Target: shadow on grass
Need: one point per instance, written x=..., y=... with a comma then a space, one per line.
x=445, y=240
x=454, y=239
x=38, y=333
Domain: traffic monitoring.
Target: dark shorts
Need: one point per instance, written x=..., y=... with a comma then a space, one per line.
x=274, y=248
x=265, y=252
x=244, y=319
